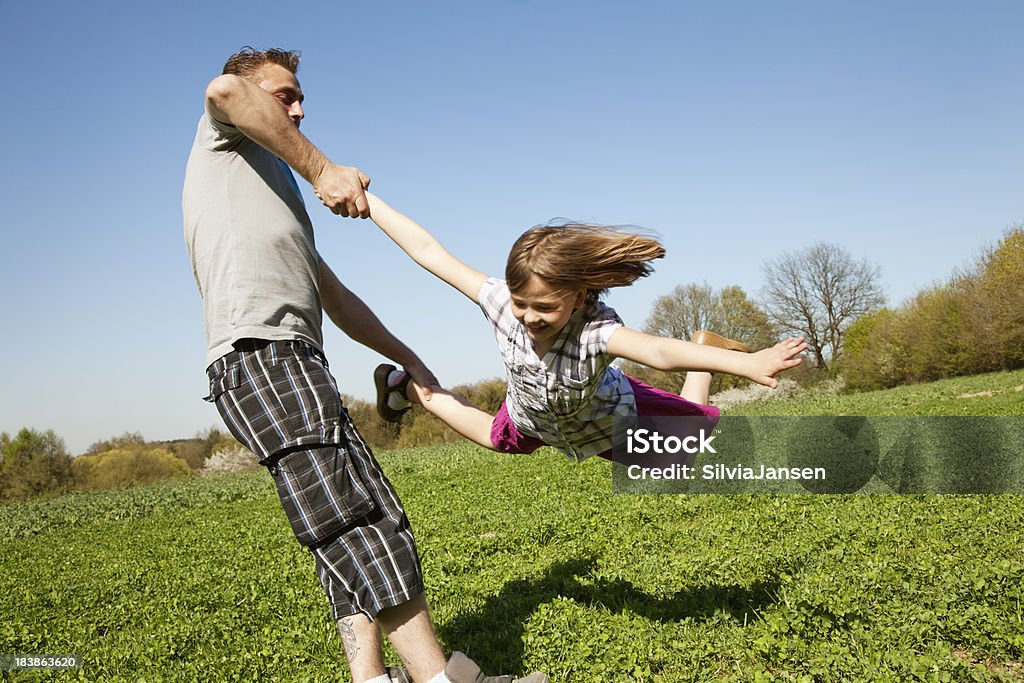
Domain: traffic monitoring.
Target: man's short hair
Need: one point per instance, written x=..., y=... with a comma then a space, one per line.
x=248, y=60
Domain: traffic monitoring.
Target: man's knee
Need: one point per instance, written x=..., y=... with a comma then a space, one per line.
x=393, y=618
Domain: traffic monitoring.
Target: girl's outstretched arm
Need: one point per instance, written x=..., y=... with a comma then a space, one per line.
x=424, y=249
x=663, y=353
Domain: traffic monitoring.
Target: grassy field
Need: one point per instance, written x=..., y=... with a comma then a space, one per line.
x=532, y=563
x=999, y=393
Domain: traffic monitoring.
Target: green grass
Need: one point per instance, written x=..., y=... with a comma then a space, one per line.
x=998, y=393
x=531, y=563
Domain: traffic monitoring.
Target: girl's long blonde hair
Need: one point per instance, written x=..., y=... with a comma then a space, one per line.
x=575, y=255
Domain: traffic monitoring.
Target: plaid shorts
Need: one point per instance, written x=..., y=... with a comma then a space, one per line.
x=280, y=401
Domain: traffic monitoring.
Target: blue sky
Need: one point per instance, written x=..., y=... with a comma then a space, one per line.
x=735, y=130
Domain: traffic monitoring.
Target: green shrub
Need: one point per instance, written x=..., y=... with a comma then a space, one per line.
x=123, y=467
x=935, y=334
x=870, y=360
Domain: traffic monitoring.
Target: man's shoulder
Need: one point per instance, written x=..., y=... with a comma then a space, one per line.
x=216, y=136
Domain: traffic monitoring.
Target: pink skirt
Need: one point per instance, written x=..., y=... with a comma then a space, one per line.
x=650, y=401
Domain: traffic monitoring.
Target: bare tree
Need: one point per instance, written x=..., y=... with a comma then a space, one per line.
x=685, y=310
x=819, y=292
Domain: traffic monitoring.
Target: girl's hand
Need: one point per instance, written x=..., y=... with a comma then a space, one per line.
x=422, y=376
x=766, y=363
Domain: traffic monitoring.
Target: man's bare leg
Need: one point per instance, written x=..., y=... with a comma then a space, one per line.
x=412, y=633
x=361, y=640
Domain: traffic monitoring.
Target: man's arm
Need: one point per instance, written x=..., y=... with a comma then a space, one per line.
x=355, y=319
x=237, y=102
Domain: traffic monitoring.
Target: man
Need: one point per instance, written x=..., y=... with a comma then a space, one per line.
x=264, y=288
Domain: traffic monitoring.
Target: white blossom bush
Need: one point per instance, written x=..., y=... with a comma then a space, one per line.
x=756, y=392
x=229, y=460
x=787, y=388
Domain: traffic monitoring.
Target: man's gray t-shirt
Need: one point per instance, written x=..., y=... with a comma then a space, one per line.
x=250, y=241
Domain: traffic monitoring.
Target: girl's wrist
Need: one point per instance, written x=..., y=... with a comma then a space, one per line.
x=749, y=365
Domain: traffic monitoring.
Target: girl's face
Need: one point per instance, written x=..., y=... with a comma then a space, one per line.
x=543, y=310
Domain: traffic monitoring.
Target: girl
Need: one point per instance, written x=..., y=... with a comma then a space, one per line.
x=558, y=342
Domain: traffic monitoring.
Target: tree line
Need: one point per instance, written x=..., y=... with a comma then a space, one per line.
x=971, y=323
x=36, y=463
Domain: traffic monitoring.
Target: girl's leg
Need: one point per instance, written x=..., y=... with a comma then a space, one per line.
x=697, y=387
x=456, y=412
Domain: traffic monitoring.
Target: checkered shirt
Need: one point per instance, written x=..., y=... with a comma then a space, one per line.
x=570, y=397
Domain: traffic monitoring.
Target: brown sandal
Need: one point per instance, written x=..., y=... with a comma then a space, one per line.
x=717, y=340
x=380, y=380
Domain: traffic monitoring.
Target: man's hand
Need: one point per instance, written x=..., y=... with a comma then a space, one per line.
x=422, y=376
x=341, y=189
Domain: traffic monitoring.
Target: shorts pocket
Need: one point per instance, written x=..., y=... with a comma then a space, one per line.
x=304, y=392
x=319, y=492
x=276, y=407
